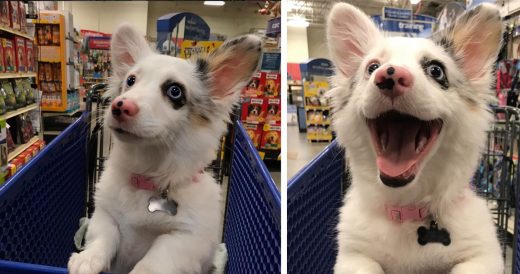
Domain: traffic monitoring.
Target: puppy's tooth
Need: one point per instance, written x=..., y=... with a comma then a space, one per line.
x=421, y=144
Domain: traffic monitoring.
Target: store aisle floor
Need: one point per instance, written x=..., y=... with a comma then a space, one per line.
x=299, y=151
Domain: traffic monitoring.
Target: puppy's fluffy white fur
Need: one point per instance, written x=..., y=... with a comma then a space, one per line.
x=169, y=144
x=368, y=241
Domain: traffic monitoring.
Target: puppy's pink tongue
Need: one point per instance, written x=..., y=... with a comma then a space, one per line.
x=399, y=154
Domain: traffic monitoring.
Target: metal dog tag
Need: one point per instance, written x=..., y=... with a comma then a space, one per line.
x=162, y=204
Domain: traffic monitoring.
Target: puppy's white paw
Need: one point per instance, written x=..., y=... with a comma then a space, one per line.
x=85, y=263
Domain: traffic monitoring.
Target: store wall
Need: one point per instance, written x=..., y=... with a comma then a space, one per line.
x=297, y=45
x=105, y=16
x=232, y=19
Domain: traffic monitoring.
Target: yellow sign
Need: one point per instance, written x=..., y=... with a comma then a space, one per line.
x=190, y=48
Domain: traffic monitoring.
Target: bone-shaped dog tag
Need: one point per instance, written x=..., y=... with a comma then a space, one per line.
x=163, y=205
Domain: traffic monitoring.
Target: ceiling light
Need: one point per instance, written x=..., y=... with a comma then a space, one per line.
x=415, y=2
x=298, y=22
x=214, y=3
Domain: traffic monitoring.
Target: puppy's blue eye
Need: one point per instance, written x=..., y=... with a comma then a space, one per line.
x=130, y=81
x=174, y=92
x=372, y=67
x=435, y=71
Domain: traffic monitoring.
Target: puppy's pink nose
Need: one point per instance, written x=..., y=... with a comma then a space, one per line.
x=123, y=108
x=393, y=81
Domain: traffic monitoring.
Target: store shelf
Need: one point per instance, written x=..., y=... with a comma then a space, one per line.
x=17, y=75
x=51, y=114
x=19, y=149
x=20, y=111
x=52, y=132
x=15, y=32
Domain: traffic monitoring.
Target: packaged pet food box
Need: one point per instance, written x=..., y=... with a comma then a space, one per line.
x=2, y=65
x=29, y=53
x=9, y=55
x=26, y=156
x=271, y=137
x=255, y=87
x=4, y=14
x=3, y=144
x=18, y=163
x=14, y=11
x=21, y=58
x=255, y=133
x=272, y=83
x=272, y=110
x=40, y=144
x=253, y=110
x=23, y=21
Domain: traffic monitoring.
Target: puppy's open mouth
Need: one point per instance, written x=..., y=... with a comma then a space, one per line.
x=401, y=141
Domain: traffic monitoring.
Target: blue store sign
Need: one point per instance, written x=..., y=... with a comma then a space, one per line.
x=397, y=13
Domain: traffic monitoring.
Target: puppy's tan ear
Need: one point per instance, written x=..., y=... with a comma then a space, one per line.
x=228, y=68
x=127, y=47
x=474, y=40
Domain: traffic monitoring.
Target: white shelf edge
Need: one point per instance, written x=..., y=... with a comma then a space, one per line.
x=20, y=111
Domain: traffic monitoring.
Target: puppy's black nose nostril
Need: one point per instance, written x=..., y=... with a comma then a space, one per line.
x=390, y=71
x=116, y=112
x=120, y=103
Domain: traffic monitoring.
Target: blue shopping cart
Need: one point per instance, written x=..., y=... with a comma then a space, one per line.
x=40, y=208
x=313, y=198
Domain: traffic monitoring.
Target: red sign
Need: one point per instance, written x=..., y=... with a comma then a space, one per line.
x=99, y=42
x=94, y=33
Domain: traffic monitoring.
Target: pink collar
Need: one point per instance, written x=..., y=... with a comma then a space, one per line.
x=142, y=182
x=406, y=213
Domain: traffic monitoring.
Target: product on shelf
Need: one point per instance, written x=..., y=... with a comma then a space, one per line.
x=10, y=97
x=26, y=156
x=271, y=84
x=25, y=127
x=272, y=110
x=11, y=169
x=21, y=94
x=23, y=21
x=29, y=91
x=40, y=144
x=9, y=56
x=55, y=35
x=3, y=143
x=253, y=110
x=29, y=52
x=2, y=65
x=271, y=137
x=255, y=133
x=48, y=72
x=255, y=86
x=10, y=142
x=21, y=58
x=17, y=163
x=4, y=14
x=15, y=14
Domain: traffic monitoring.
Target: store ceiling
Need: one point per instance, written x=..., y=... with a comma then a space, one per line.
x=315, y=11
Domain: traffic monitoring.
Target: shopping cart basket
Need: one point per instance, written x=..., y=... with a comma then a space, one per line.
x=313, y=198
x=41, y=205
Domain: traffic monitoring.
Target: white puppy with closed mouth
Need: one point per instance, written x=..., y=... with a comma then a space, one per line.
x=156, y=210
x=412, y=114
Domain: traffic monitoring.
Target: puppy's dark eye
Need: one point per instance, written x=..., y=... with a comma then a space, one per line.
x=130, y=81
x=372, y=67
x=435, y=71
x=175, y=92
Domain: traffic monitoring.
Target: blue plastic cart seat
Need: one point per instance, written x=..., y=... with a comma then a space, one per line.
x=252, y=228
x=313, y=199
